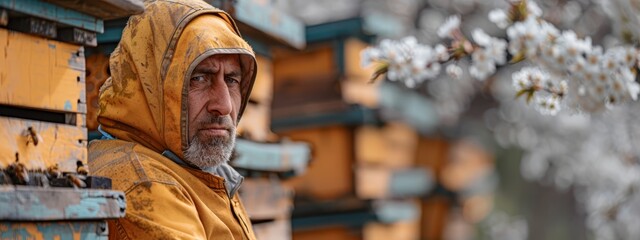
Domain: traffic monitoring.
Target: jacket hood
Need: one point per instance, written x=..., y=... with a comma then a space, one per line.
x=145, y=99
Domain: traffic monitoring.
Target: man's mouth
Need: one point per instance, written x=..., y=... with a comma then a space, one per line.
x=215, y=131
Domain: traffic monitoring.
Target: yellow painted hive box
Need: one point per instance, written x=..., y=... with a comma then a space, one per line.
x=40, y=73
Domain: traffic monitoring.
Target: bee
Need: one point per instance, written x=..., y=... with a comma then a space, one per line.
x=32, y=136
x=76, y=181
x=54, y=171
x=19, y=170
x=81, y=169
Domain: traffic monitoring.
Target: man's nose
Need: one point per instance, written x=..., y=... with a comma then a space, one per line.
x=219, y=98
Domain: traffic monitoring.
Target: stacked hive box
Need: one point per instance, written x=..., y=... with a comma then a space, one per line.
x=386, y=172
x=43, y=123
x=309, y=105
x=262, y=156
x=42, y=100
x=267, y=200
x=42, y=88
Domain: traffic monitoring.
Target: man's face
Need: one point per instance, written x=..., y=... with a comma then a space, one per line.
x=214, y=100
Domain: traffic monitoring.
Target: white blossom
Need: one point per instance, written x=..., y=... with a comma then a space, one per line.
x=454, y=71
x=451, y=24
x=441, y=52
x=534, y=9
x=549, y=105
x=570, y=46
x=407, y=60
x=492, y=52
x=480, y=37
x=482, y=66
x=499, y=17
x=535, y=35
x=529, y=78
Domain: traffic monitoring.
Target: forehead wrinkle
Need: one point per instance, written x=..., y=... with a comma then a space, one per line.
x=209, y=65
x=212, y=65
x=234, y=73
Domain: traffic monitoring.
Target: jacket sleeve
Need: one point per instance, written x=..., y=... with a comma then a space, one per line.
x=158, y=211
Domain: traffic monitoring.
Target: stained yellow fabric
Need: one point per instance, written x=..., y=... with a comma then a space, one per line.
x=144, y=106
x=165, y=200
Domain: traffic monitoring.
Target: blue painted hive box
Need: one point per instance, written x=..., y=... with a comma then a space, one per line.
x=28, y=212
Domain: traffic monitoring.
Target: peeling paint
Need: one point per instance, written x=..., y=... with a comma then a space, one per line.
x=46, y=204
x=14, y=233
x=76, y=60
x=67, y=105
x=54, y=230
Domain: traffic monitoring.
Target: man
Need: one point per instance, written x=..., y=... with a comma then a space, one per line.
x=181, y=77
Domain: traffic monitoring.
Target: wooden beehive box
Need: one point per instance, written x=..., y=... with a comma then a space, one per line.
x=433, y=154
x=58, y=213
x=269, y=206
x=59, y=143
x=42, y=102
x=330, y=173
x=41, y=73
x=374, y=182
x=306, y=83
x=404, y=230
x=104, y=9
x=393, y=146
x=43, y=123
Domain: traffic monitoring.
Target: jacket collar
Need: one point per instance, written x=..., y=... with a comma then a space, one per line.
x=232, y=178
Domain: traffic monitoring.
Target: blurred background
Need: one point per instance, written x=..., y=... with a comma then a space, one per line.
x=330, y=154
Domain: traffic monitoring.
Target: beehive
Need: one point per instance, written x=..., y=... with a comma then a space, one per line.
x=42, y=88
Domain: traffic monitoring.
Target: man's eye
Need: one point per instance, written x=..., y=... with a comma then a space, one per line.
x=231, y=80
x=197, y=78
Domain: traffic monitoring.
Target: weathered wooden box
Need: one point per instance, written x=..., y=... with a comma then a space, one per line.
x=330, y=172
x=41, y=73
x=57, y=143
x=375, y=182
x=274, y=157
x=103, y=9
x=57, y=213
x=392, y=146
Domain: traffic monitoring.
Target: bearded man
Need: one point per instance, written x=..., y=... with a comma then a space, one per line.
x=181, y=78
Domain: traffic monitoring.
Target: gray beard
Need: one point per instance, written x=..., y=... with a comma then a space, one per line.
x=210, y=154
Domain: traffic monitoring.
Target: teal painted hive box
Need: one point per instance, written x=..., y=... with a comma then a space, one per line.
x=57, y=213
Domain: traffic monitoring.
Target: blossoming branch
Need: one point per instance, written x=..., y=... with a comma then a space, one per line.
x=563, y=69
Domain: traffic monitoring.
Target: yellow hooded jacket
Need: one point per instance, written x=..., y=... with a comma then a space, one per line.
x=143, y=113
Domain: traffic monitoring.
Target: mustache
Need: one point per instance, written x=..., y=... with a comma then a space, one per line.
x=224, y=121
